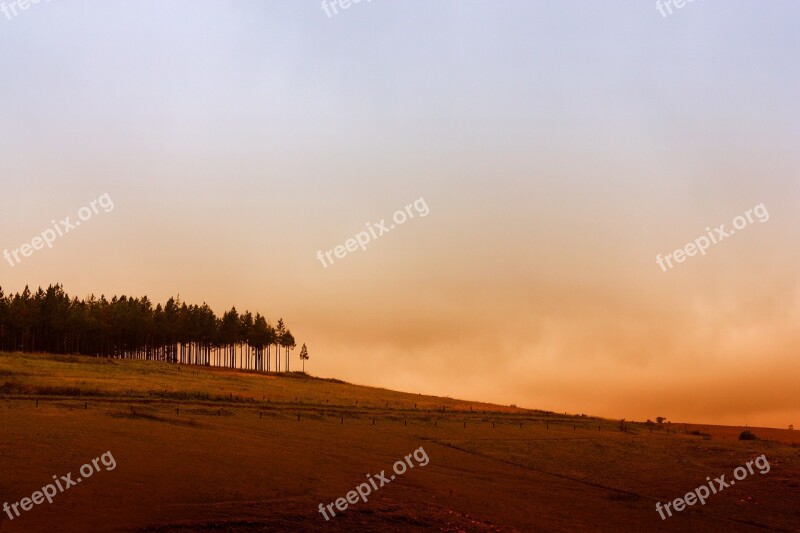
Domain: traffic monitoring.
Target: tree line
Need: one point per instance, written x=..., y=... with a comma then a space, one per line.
x=132, y=328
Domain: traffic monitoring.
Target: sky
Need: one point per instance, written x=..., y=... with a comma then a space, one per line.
x=558, y=149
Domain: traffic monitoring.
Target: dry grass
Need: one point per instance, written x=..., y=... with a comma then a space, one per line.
x=203, y=449
x=53, y=375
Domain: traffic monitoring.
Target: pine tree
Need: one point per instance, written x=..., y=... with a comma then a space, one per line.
x=51, y=321
x=304, y=356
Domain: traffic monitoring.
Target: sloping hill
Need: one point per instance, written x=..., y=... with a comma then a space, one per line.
x=207, y=449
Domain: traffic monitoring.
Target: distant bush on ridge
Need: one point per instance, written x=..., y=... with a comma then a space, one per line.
x=747, y=435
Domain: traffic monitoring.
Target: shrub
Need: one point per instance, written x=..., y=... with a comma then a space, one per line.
x=747, y=435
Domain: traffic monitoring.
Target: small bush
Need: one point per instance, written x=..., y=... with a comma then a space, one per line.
x=747, y=435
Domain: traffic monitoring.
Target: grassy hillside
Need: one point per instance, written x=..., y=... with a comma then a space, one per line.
x=102, y=378
x=202, y=449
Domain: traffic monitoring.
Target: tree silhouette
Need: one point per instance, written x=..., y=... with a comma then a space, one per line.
x=280, y=331
x=133, y=328
x=288, y=342
x=304, y=356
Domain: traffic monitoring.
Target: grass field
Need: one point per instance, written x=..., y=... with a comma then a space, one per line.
x=208, y=449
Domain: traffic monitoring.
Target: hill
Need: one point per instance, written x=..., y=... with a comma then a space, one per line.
x=209, y=449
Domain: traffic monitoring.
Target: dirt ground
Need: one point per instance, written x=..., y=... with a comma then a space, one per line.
x=200, y=449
